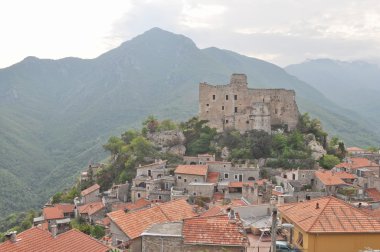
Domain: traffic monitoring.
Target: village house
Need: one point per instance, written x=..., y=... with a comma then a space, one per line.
x=329, y=224
x=211, y=233
x=126, y=228
x=185, y=174
x=330, y=181
x=92, y=212
x=199, y=159
x=352, y=151
x=37, y=239
x=234, y=172
x=355, y=165
x=152, y=182
x=90, y=194
x=54, y=216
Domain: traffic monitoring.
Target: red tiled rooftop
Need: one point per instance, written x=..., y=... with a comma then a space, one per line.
x=140, y=203
x=134, y=223
x=215, y=210
x=90, y=189
x=36, y=239
x=65, y=208
x=213, y=230
x=356, y=163
x=331, y=216
x=51, y=213
x=91, y=208
x=212, y=177
x=200, y=170
x=352, y=149
x=330, y=178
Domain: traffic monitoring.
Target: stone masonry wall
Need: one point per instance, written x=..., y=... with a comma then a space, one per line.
x=236, y=106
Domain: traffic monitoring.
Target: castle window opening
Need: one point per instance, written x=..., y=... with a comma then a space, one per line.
x=226, y=121
x=226, y=97
x=247, y=122
x=138, y=195
x=207, y=104
x=226, y=175
x=235, y=97
x=222, y=107
x=213, y=97
x=236, y=110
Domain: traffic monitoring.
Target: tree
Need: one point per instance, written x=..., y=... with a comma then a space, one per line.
x=150, y=124
x=328, y=161
x=97, y=232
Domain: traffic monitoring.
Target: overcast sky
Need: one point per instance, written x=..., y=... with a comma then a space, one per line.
x=279, y=31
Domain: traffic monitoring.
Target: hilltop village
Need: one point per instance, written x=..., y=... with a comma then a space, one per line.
x=248, y=174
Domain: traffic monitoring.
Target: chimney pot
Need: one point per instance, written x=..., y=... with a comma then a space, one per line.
x=317, y=206
x=12, y=236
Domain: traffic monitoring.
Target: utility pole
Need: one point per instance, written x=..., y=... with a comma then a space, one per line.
x=274, y=229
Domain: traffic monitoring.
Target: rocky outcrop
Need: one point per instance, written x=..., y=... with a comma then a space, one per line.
x=171, y=141
x=317, y=150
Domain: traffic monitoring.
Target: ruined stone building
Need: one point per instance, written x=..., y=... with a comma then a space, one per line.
x=238, y=107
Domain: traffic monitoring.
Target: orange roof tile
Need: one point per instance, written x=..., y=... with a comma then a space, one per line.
x=329, y=178
x=212, y=177
x=134, y=223
x=373, y=193
x=200, y=170
x=90, y=189
x=215, y=210
x=332, y=216
x=36, y=239
x=65, y=208
x=140, y=203
x=51, y=213
x=213, y=230
x=91, y=208
x=356, y=163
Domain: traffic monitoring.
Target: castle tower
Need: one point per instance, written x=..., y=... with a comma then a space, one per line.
x=239, y=80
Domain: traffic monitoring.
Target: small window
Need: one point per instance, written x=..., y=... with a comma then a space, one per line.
x=195, y=180
x=138, y=195
x=159, y=197
x=247, y=122
x=236, y=177
x=179, y=177
x=222, y=107
x=235, y=109
x=194, y=193
x=226, y=175
x=207, y=104
x=226, y=97
x=213, y=97
x=184, y=180
x=235, y=97
x=226, y=121
x=303, y=175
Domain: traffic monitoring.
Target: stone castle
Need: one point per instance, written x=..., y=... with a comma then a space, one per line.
x=238, y=107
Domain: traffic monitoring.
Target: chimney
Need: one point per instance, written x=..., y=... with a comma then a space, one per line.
x=359, y=205
x=12, y=236
x=317, y=206
x=54, y=230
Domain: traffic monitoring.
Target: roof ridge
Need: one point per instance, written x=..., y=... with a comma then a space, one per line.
x=162, y=211
x=319, y=215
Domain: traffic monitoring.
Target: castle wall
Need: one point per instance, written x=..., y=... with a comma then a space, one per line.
x=238, y=107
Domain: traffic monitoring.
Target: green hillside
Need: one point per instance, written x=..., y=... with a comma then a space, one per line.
x=56, y=114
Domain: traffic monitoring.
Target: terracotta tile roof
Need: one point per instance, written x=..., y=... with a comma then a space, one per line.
x=329, y=178
x=134, y=223
x=213, y=230
x=51, y=213
x=200, y=170
x=90, y=189
x=215, y=210
x=212, y=177
x=357, y=163
x=238, y=202
x=332, y=216
x=375, y=213
x=140, y=203
x=276, y=193
x=218, y=196
x=36, y=239
x=373, y=193
x=65, y=208
x=239, y=184
x=91, y=208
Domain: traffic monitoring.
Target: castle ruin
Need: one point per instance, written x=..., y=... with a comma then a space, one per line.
x=238, y=107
